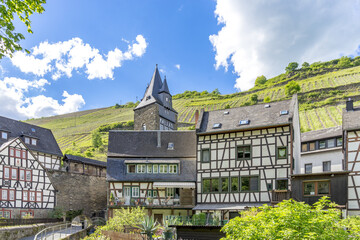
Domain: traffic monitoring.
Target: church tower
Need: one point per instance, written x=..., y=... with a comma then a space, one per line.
x=155, y=111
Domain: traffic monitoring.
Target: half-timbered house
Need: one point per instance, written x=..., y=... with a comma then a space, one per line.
x=154, y=169
x=320, y=170
x=25, y=186
x=245, y=156
x=351, y=136
x=39, y=140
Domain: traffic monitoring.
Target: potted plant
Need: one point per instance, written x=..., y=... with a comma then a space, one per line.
x=169, y=232
x=111, y=199
x=121, y=201
x=150, y=201
x=132, y=201
x=149, y=227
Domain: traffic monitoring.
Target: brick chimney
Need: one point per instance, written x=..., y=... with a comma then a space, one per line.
x=349, y=105
x=196, y=116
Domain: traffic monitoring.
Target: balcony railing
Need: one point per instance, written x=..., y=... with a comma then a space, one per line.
x=197, y=220
x=151, y=202
x=280, y=195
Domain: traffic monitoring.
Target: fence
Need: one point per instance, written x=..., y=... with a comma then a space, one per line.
x=197, y=220
x=58, y=231
x=20, y=221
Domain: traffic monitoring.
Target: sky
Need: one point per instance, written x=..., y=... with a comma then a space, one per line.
x=92, y=54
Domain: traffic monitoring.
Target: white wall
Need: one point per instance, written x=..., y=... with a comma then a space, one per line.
x=318, y=157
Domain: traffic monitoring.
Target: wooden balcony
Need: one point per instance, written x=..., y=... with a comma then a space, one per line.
x=280, y=195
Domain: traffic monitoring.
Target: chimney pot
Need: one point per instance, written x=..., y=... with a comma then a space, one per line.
x=349, y=105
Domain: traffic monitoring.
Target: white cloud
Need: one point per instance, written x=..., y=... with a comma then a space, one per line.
x=177, y=66
x=62, y=58
x=162, y=70
x=15, y=103
x=262, y=37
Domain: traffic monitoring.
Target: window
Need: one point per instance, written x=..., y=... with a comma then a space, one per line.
x=141, y=168
x=28, y=175
x=14, y=173
x=312, y=146
x=11, y=195
x=25, y=196
x=282, y=184
x=135, y=192
x=170, y=192
x=173, y=168
x=152, y=193
x=224, y=185
x=243, y=152
x=304, y=147
x=285, y=112
x=144, y=127
x=308, y=168
x=22, y=175
x=163, y=169
x=327, y=166
x=339, y=142
x=249, y=184
x=206, y=185
x=322, y=144
x=234, y=184
x=4, y=194
x=149, y=168
x=282, y=152
x=32, y=196
x=5, y=213
x=155, y=168
x=131, y=168
x=205, y=155
x=24, y=213
x=6, y=172
x=330, y=143
x=4, y=135
x=27, y=140
x=18, y=153
x=211, y=185
x=316, y=188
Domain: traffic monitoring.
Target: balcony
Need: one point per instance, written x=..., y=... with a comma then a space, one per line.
x=156, y=202
x=280, y=195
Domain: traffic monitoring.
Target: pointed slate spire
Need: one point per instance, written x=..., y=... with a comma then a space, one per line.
x=151, y=93
x=164, y=87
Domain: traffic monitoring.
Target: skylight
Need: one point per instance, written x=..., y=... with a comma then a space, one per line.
x=170, y=146
x=217, y=125
x=285, y=112
x=244, y=122
x=226, y=113
x=267, y=106
x=33, y=129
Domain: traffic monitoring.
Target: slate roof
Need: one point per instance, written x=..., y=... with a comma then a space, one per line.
x=144, y=144
x=46, y=142
x=116, y=171
x=84, y=160
x=152, y=92
x=258, y=115
x=351, y=119
x=321, y=134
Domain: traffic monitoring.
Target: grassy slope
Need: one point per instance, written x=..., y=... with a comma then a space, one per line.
x=315, y=113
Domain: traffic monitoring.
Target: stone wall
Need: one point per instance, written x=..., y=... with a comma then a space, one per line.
x=17, y=232
x=77, y=191
x=148, y=115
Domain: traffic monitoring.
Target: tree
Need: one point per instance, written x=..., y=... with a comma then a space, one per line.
x=344, y=62
x=267, y=99
x=291, y=67
x=254, y=98
x=260, y=80
x=305, y=65
x=23, y=9
x=292, y=220
x=96, y=139
x=292, y=88
x=216, y=92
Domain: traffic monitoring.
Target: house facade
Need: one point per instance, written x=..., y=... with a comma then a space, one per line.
x=320, y=170
x=155, y=111
x=25, y=186
x=245, y=156
x=153, y=169
x=39, y=140
x=351, y=136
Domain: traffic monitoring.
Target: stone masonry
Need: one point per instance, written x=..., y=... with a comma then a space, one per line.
x=78, y=191
x=148, y=115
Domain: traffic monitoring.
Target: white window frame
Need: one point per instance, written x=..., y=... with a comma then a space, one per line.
x=4, y=135
x=27, y=140
x=162, y=168
x=140, y=168
x=149, y=168
x=33, y=141
x=135, y=192
x=155, y=168
x=173, y=168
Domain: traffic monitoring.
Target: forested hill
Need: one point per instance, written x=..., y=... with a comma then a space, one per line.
x=322, y=89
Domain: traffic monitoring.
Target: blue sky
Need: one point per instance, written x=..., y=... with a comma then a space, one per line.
x=199, y=45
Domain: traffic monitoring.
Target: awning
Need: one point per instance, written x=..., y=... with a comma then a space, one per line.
x=174, y=184
x=151, y=161
x=226, y=206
